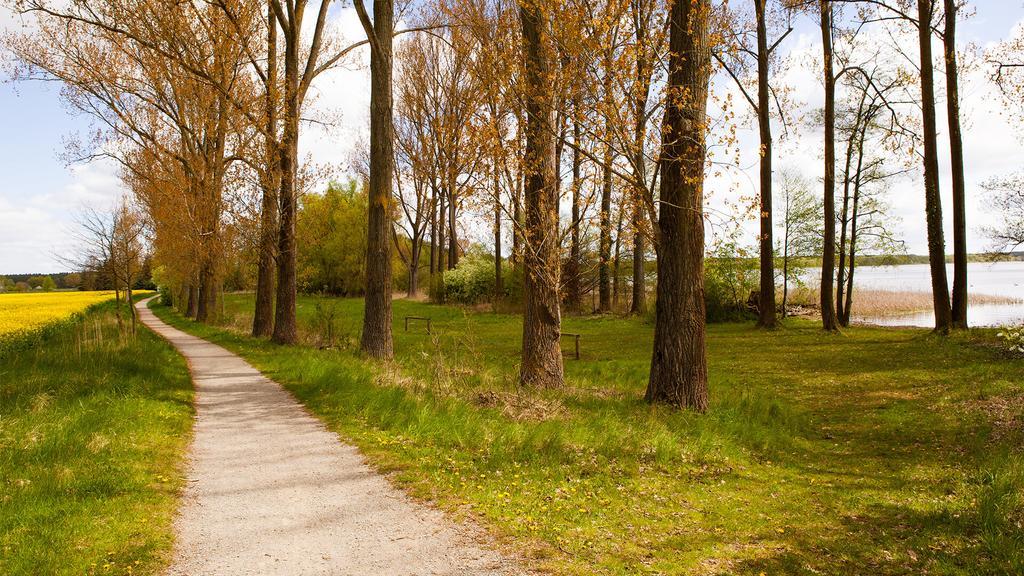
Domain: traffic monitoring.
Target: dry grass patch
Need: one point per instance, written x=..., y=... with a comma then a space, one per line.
x=887, y=302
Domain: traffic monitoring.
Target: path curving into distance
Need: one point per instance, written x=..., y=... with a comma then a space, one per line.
x=271, y=491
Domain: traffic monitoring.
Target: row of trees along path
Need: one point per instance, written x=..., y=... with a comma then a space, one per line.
x=200, y=103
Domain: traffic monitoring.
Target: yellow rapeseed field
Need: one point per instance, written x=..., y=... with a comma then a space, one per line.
x=23, y=312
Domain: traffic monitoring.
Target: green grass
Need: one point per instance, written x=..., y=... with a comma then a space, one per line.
x=93, y=430
x=874, y=452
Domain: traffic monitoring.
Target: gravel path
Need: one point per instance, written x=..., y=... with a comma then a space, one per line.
x=271, y=491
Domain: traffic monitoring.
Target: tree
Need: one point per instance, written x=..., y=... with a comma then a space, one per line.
x=332, y=230
x=298, y=76
x=542, y=321
x=376, y=340
x=956, y=149
x=1007, y=197
x=801, y=226
x=110, y=242
x=828, y=257
x=921, y=20
x=933, y=199
x=263, y=313
x=763, y=55
x=873, y=138
x=679, y=363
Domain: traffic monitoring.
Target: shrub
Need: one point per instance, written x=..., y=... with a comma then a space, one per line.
x=166, y=296
x=471, y=282
x=1013, y=338
x=729, y=278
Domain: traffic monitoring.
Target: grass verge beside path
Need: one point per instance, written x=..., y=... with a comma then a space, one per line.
x=93, y=432
x=875, y=452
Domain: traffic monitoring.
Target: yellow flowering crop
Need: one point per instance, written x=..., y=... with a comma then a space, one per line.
x=24, y=312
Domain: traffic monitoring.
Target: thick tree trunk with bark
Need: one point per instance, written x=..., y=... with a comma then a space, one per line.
x=933, y=199
x=263, y=318
x=285, y=330
x=828, y=258
x=956, y=148
x=542, y=321
x=679, y=374
x=766, y=306
x=377, y=341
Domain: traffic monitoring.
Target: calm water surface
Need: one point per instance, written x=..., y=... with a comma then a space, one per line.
x=993, y=279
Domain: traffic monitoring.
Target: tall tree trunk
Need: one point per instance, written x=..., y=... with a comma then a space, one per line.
x=131, y=306
x=542, y=320
x=205, y=291
x=193, y=300
x=263, y=318
x=845, y=281
x=453, y=240
x=517, y=217
x=442, y=226
x=933, y=199
x=499, y=283
x=616, y=269
x=643, y=80
x=414, y=266
x=956, y=148
x=376, y=339
x=433, y=231
x=828, y=258
x=679, y=374
x=766, y=301
x=573, y=294
x=285, y=329
x=639, y=303
x=785, y=263
x=605, y=241
x=845, y=318
x=856, y=135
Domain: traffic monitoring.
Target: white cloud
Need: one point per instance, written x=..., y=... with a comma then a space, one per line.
x=37, y=230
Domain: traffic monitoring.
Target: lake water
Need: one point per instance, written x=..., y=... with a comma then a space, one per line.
x=993, y=279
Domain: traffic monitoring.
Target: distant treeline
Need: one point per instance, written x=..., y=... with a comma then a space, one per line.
x=97, y=279
x=904, y=259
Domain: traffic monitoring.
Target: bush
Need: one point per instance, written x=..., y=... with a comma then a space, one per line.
x=471, y=282
x=730, y=275
x=1013, y=338
x=729, y=278
x=166, y=296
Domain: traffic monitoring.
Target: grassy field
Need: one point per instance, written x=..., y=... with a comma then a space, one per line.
x=93, y=429
x=873, y=452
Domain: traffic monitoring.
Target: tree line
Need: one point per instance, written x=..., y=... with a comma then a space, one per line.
x=581, y=131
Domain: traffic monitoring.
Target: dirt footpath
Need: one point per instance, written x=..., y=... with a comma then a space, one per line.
x=272, y=491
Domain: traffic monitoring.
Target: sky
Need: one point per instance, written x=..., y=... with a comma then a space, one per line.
x=40, y=195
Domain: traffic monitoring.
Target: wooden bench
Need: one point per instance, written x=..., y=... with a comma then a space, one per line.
x=577, y=338
x=407, y=318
